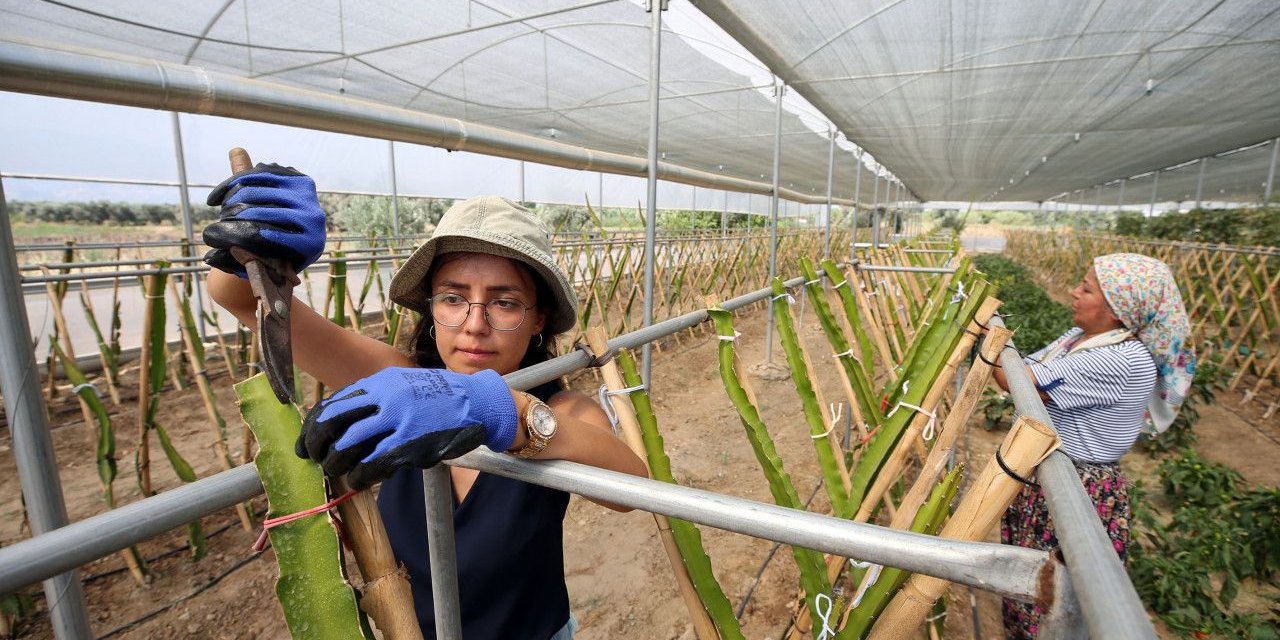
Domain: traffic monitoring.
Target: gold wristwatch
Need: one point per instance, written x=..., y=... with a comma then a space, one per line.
x=540, y=423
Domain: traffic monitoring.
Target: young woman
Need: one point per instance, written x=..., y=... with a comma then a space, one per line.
x=1125, y=366
x=492, y=299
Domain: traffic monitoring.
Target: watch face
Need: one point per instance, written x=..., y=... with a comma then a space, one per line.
x=543, y=420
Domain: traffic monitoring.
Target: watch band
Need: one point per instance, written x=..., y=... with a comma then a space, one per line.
x=536, y=441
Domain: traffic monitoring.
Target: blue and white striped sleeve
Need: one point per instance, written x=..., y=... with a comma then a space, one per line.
x=1087, y=379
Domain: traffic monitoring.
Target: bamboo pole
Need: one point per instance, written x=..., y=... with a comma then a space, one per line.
x=1028, y=443
x=386, y=595
x=143, y=455
x=892, y=467
x=702, y=624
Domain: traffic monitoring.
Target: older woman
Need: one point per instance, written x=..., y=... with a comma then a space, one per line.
x=1124, y=368
x=492, y=299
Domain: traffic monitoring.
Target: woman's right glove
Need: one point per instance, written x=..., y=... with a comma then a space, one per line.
x=270, y=210
x=406, y=416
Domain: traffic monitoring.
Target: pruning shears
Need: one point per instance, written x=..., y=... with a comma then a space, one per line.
x=272, y=281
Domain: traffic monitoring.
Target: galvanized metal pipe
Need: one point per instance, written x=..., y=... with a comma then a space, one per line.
x=651, y=175
x=155, y=84
x=437, y=490
x=1155, y=186
x=81, y=542
x=395, y=190
x=905, y=269
x=1200, y=181
x=857, y=194
x=778, y=90
x=1271, y=172
x=831, y=174
x=1110, y=604
x=1003, y=569
x=32, y=447
x=184, y=201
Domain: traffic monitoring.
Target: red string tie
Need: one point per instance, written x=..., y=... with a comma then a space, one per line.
x=269, y=523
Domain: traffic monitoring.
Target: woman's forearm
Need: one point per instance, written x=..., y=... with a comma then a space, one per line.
x=233, y=294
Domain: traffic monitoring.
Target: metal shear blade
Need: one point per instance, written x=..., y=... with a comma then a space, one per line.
x=272, y=281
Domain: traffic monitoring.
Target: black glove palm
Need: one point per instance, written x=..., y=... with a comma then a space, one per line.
x=270, y=210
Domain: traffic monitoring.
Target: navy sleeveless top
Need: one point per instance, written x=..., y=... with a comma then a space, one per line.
x=509, y=538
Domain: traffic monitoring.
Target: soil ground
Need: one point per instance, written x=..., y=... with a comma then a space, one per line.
x=618, y=576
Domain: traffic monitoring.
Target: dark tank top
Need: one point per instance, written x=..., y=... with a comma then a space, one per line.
x=509, y=538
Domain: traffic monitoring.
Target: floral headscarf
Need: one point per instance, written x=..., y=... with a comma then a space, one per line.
x=1143, y=295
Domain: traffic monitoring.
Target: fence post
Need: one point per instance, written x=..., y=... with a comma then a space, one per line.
x=29, y=429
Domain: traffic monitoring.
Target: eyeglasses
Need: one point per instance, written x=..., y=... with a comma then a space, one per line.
x=503, y=314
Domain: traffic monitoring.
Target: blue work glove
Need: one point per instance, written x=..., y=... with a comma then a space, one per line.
x=270, y=210
x=402, y=417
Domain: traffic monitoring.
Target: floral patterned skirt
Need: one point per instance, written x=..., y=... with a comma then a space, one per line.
x=1027, y=524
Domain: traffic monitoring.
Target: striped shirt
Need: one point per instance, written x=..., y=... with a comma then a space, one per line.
x=1097, y=397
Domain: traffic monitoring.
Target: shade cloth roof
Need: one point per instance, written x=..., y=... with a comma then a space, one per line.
x=999, y=99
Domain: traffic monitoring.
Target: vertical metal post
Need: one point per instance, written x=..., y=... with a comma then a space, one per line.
x=857, y=201
x=724, y=217
x=877, y=215
x=29, y=429
x=778, y=90
x=1155, y=185
x=1271, y=173
x=651, y=190
x=395, y=193
x=1200, y=180
x=875, y=191
x=184, y=201
x=600, y=190
x=437, y=489
x=522, y=199
x=831, y=174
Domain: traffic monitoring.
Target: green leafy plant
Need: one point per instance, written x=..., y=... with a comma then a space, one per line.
x=1035, y=318
x=1190, y=480
x=1190, y=570
x=997, y=410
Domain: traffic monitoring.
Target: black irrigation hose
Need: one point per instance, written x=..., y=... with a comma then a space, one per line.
x=205, y=587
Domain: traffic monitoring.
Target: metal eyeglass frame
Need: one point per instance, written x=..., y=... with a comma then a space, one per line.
x=524, y=311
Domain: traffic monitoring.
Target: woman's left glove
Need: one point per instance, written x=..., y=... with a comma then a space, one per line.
x=402, y=416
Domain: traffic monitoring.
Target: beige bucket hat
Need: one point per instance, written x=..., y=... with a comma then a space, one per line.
x=497, y=226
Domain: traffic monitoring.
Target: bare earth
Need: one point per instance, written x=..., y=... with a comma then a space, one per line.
x=618, y=576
